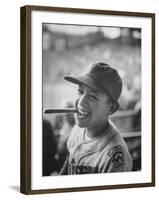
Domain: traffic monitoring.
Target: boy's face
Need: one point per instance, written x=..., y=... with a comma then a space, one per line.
x=94, y=108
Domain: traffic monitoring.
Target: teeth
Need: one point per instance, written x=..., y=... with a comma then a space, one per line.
x=83, y=113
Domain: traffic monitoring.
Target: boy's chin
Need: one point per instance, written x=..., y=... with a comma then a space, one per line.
x=81, y=125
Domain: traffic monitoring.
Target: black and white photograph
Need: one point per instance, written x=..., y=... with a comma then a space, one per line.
x=91, y=99
x=87, y=99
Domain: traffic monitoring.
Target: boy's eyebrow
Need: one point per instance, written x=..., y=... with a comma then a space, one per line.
x=93, y=92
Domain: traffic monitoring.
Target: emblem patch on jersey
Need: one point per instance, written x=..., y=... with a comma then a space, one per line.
x=117, y=156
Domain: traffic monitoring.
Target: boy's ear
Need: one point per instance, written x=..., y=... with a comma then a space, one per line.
x=113, y=108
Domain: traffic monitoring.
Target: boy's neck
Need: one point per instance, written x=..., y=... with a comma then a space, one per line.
x=97, y=131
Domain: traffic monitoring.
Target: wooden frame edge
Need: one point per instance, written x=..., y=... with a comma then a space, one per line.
x=25, y=94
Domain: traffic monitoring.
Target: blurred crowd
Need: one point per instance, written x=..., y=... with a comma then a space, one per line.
x=130, y=99
x=131, y=91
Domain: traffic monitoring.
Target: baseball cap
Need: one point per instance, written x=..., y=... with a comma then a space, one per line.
x=101, y=77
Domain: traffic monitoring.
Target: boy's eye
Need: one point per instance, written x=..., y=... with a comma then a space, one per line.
x=80, y=91
x=93, y=97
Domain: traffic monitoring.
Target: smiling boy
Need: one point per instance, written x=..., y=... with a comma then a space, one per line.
x=95, y=144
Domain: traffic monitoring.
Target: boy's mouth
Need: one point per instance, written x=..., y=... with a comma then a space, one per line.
x=82, y=114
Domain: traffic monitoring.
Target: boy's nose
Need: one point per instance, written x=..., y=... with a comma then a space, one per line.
x=82, y=100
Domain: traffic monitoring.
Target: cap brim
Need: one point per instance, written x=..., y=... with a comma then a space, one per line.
x=89, y=82
x=85, y=80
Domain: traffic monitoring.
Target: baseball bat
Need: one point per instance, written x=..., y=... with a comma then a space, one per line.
x=60, y=110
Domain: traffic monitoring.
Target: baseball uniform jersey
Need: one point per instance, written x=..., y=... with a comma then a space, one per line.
x=103, y=154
